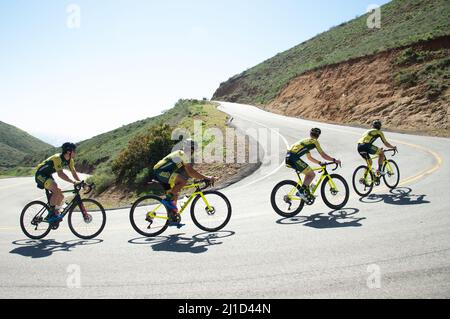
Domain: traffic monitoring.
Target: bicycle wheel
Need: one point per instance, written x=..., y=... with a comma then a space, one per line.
x=159, y=220
x=335, y=191
x=284, y=199
x=363, y=181
x=212, y=215
x=32, y=220
x=391, y=174
x=87, y=219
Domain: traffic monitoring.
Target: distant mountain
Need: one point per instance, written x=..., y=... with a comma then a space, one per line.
x=16, y=144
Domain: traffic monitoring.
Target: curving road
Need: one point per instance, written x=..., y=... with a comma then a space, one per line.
x=393, y=245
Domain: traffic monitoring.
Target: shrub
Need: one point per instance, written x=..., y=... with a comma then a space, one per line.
x=406, y=79
x=143, y=152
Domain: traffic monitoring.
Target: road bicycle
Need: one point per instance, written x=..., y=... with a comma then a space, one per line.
x=365, y=177
x=210, y=211
x=286, y=200
x=86, y=217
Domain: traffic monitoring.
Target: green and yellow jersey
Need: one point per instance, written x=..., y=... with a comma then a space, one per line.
x=371, y=136
x=172, y=162
x=305, y=146
x=54, y=164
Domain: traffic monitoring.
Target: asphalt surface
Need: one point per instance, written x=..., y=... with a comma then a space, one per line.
x=392, y=245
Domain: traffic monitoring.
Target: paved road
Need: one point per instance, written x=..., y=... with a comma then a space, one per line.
x=390, y=246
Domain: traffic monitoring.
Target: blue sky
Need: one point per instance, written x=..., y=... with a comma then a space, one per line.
x=130, y=59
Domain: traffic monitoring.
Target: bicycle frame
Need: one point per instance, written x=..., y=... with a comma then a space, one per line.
x=386, y=163
x=76, y=200
x=198, y=191
x=313, y=191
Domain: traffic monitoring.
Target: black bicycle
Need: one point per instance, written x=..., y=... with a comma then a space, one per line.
x=87, y=217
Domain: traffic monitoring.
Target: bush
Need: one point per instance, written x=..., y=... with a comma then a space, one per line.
x=143, y=152
x=435, y=89
x=406, y=79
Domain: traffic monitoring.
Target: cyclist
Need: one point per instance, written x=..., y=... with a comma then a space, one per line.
x=294, y=159
x=44, y=178
x=173, y=171
x=366, y=147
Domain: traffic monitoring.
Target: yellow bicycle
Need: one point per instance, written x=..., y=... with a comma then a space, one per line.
x=335, y=193
x=365, y=178
x=210, y=211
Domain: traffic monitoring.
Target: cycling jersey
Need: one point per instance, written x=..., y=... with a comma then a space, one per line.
x=166, y=170
x=371, y=136
x=54, y=164
x=172, y=162
x=305, y=147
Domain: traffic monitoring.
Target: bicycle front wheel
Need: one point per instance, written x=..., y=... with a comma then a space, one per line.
x=335, y=191
x=32, y=220
x=211, y=212
x=391, y=174
x=363, y=181
x=285, y=199
x=149, y=217
x=87, y=219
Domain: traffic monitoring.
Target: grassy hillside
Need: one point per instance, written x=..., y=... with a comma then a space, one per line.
x=403, y=22
x=15, y=144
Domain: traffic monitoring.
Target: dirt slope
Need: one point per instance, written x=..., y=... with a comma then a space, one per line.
x=407, y=88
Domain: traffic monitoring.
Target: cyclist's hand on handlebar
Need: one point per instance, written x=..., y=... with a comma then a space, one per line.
x=338, y=162
x=211, y=179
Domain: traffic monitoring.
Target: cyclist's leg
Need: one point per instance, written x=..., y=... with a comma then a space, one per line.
x=57, y=196
x=177, y=183
x=364, y=151
x=379, y=152
x=303, y=168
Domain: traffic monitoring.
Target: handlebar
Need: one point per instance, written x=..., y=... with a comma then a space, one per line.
x=331, y=163
x=394, y=150
x=83, y=185
x=206, y=182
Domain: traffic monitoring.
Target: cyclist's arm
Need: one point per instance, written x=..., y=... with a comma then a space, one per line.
x=193, y=173
x=312, y=159
x=64, y=177
x=75, y=175
x=327, y=157
x=385, y=142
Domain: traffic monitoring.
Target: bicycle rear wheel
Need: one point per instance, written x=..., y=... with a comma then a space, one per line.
x=149, y=206
x=212, y=212
x=32, y=220
x=335, y=192
x=363, y=181
x=391, y=174
x=285, y=201
x=87, y=219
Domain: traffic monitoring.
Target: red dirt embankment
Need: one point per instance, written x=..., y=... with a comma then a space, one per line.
x=408, y=91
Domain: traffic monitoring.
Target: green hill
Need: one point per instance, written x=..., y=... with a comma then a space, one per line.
x=403, y=22
x=15, y=144
x=99, y=150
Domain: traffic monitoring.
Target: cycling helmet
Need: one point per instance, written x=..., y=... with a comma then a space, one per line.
x=316, y=132
x=68, y=147
x=377, y=124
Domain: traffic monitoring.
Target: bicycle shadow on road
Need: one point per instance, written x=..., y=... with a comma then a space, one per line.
x=47, y=247
x=399, y=196
x=334, y=219
x=197, y=244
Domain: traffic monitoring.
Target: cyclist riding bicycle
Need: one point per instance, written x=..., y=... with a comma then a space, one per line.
x=294, y=159
x=44, y=177
x=173, y=171
x=366, y=147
